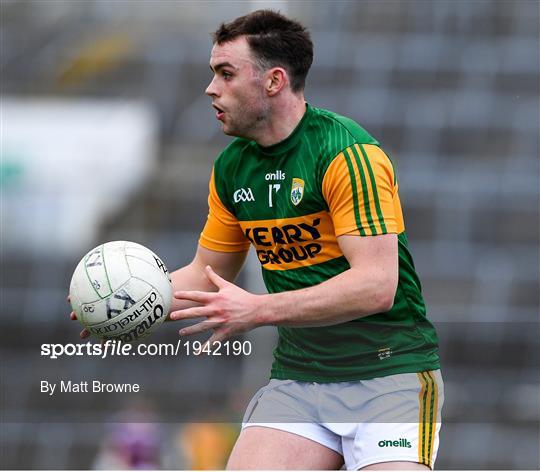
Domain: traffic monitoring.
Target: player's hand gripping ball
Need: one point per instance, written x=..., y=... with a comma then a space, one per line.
x=121, y=290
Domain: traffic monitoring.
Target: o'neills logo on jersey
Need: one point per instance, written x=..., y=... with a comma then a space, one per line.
x=277, y=175
x=285, y=243
x=243, y=195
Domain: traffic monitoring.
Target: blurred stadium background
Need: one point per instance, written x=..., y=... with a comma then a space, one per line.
x=106, y=134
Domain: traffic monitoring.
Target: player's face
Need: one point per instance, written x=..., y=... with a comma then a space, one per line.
x=237, y=89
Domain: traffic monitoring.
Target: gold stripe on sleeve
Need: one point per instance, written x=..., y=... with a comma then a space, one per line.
x=371, y=198
x=363, y=196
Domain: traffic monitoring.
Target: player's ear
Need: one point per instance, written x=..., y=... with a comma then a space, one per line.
x=276, y=79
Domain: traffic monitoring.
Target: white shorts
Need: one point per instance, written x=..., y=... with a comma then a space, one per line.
x=393, y=418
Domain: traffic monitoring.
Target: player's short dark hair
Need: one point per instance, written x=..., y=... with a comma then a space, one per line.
x=275, y=40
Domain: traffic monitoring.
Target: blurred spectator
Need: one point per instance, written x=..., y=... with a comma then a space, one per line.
x=131, y=446
x=206, y=446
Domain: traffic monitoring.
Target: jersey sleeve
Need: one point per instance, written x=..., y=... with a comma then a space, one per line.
x=361, y=192
x=222, y=232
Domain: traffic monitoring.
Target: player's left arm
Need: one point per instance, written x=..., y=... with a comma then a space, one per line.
x=368, y=287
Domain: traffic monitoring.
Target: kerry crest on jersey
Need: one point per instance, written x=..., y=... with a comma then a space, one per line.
x=297, y=191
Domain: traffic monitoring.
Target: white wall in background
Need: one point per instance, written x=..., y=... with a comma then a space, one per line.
x=65, y=165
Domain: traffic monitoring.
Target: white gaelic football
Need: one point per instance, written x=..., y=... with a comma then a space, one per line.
x=121, y=290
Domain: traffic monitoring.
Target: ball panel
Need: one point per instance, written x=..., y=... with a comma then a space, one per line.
x=92, y=311
x=81, y=289
x=151, y=273
x=163, y=287
x=136, y=322
x=115, y=263
x=124, y=298
x=133, y=249
x=94, y=266
x=140, y=252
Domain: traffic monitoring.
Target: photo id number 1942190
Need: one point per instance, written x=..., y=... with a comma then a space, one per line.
x=218, y=348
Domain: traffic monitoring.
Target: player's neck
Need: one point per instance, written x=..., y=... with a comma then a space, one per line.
x=284, y=118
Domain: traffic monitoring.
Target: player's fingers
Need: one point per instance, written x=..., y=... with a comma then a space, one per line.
x=188, y=313
x=198, y=328
x=73, y=316
x=195, y=296
x=84, y=334
x=218, y=281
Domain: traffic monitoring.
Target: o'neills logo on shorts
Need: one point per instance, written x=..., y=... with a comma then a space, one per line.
x=402, y=442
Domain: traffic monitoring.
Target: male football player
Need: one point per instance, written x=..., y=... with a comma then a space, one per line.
x=355, y=378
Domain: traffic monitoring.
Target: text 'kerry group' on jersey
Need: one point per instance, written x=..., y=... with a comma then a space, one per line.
x=287, y=236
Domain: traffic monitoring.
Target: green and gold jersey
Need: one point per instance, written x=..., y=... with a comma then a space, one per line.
x=291, y=201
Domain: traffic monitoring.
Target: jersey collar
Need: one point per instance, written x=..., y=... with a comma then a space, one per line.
x=291, y=140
